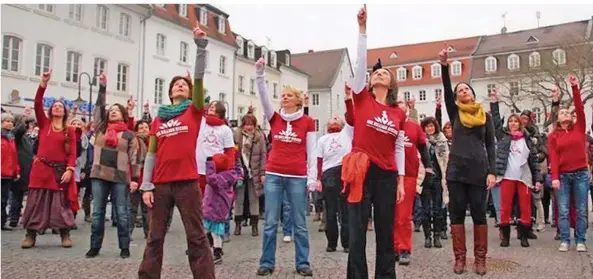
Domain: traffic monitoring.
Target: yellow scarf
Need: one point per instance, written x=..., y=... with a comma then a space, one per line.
x=471, y=115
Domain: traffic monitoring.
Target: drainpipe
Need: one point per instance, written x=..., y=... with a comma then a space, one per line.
x=232, y=108
x=142, y=58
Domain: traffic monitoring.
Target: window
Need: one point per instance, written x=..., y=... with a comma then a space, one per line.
x=183, y=48
x=316, y=121
x=183, y=10
x=160, y=44
x=240, y=110
x=315, y=99
x=287, y=58
x=417, y=72
x=159, y=85
x=43, y=59
x=47, y=8
x=125, y=23
x=75, y=12
x=250, y=50
x=490, y=88
x=122, y=77
x=73, y=66
x=11, y=52
x=240, y=85
x=401, y=74
x=222, y=66
x=275, y=91
x=538, y=116
x=252, y=86
x=222, y=97
x=203, y=16
x=514, y=88
x=490, y=64
x=221, y=25
x=102, y=17
x=240, y=44
x=273, y=59
x=407, y=96
x=436, y=70
x=559, y=57
x=99, y=66
x=535, y=60
x=456, y=68
x=513, y=62
x=422, y=95
x=438, y=93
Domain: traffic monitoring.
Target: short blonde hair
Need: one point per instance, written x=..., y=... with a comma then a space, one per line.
x=298, y=93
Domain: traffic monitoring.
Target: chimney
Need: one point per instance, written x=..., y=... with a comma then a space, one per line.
x=310, y=51
x=503, y=30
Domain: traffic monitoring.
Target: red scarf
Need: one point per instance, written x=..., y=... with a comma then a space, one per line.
x=517, y=135
x=112, y=130
x=334, y=128
x=214, y=120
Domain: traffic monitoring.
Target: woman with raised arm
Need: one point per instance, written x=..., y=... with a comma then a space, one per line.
x=569, y=165
x=470, y=173
x=53, y=195
x=171, y=175
x=517, y=171
x=115, y=171
x=376, y=164
x=288, y=170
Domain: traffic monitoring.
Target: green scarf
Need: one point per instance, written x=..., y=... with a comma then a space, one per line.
x=167, y=112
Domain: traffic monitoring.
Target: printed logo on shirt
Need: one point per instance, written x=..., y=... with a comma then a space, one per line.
x=407, y=142
x=212, y=138
x=288, y=135
x=171, y=128
x=382, y=124
x=334, y=145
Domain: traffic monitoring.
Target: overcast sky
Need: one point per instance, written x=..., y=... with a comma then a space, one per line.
x=318, y=27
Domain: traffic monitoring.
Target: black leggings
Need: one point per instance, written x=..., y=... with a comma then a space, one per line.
x=460, y=196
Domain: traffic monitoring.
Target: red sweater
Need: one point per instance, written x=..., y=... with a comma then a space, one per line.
x=565, y=146
x=10, y=160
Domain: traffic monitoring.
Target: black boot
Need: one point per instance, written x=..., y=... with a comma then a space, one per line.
x=237, y=225
x=524, y=235
x=218, y=255
x=427, y=238
x=529, y=233
x=254, y=227
x=437, y=240
x=505, y=232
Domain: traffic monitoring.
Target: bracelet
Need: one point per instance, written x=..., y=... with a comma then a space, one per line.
x=70, y=169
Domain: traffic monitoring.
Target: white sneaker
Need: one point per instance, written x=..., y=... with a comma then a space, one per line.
x=581, y=247
x=287, y=239
x=563, y=247
x=541, y=228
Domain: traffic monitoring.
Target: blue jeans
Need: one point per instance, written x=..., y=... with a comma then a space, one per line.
x=577, y=184
x=275, y=188
x=119, y=199
x=495, y=192
x=418, y=211
x=286, y=219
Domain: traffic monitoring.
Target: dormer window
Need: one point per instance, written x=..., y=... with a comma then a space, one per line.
x=532, y=40
x=221, y=25
x=490, y=64
x=435, y=70
x=250, y=50
x=287, y=59
x=417, y=72
x=401, y=74
x=203, y=16
x=239, y=41
x=450, y=49
x=456, y=68
x=513, y=62
x=393, y=55
x=273, y=59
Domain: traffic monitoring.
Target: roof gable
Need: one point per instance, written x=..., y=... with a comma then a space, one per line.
x=321, y=66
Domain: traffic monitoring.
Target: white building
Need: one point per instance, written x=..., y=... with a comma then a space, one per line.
x=328, y=71
x=71, y=40
x=170, y=51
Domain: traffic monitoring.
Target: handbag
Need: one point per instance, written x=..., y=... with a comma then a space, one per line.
x=58, y=168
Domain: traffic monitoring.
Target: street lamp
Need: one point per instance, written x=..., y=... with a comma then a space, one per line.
x=79, y=100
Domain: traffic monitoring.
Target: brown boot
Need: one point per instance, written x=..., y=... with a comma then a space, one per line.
x=238, y=221
x=459, y=249
x=480, y=248
x=254, y=227
x=65, y=235
x=29, y=241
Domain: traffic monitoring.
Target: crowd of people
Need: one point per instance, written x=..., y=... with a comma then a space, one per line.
x=378, y=162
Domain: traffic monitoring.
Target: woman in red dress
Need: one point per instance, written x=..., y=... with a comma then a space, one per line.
x=53, y=196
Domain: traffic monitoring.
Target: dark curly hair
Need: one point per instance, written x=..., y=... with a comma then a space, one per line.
x=430, y=120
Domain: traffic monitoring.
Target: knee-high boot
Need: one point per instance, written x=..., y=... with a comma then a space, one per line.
x=238, y=220
x=480, y=248
x=459, y=249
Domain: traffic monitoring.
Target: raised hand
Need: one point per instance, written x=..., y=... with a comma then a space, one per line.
x=443, y=56
x=103, y=79
x=45, y=77
x=439, y=100
x=306, y=99
x=260, y=65
x=198, y=32
x=494, y=95
x=555, y=94
x=146, y=107
x=362, y=19
x=347, y=91
x=573, y=80
x=131, y=104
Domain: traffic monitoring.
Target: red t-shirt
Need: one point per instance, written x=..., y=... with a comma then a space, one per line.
x=413, y=137
x=176, y=147
x=288, y=156
x=376, y=128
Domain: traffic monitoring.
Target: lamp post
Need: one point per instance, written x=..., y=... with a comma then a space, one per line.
x=79, y=100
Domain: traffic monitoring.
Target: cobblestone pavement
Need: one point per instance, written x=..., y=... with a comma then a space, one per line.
x=49, y=260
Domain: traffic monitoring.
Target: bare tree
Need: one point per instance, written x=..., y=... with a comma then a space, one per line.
x=534, y=85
